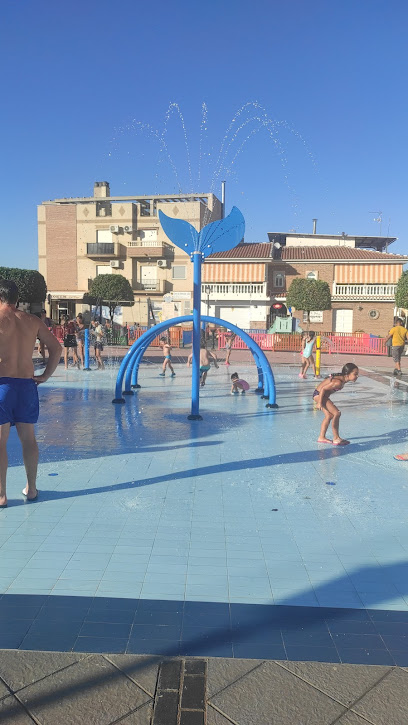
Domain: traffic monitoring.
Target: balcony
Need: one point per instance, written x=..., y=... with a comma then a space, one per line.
x=155, y=286
x=101, y=251
x=364, y=291
x=142, y=248
x=236, y=291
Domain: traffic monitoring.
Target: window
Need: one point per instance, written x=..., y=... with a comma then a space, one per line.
x=103, y=236
x=312, y=275
x=103, y=208
x=179, y=272
x=148, y=234
x=278, y=279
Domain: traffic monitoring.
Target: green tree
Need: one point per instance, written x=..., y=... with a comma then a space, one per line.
x=31, y=284
x=308, y=295
x=111, y=289
x=401, y=293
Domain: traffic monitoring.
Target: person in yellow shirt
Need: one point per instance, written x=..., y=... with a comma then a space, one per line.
x=399, y=335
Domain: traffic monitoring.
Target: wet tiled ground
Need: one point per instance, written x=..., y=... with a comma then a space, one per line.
x=235, y=536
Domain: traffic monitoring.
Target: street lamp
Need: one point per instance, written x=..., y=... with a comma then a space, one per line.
x=207, y=290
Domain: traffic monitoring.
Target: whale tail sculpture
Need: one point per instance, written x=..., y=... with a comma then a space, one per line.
x=217, y=236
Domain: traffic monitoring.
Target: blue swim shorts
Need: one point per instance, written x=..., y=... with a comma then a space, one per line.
x=204, y=368
x=18, y=401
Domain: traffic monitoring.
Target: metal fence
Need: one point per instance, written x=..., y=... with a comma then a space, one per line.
x=356, y=344
x=173, y=335
x=331, y=342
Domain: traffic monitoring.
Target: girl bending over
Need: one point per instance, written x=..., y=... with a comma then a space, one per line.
x=321, y=397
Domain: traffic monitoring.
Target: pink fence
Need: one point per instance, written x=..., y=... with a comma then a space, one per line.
x=175, y=334
x=359, y=344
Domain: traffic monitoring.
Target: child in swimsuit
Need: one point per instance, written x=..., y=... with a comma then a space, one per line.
x=205, y=362
x=321, y=397
x=307, y=355
x=228, y=346
x=167, y=358
x=238, y=385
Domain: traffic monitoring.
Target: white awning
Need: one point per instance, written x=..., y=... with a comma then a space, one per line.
x=66, y=295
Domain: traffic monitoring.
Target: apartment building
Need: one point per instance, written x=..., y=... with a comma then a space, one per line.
x=236, y=285
x=80, y=238
x=247, y=285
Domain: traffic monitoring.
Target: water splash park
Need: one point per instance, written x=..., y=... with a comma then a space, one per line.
x=233, y=536
x=181, y=520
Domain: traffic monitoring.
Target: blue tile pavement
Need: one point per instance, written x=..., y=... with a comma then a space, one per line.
x=166, y=529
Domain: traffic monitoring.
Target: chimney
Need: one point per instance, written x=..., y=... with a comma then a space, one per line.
x=314, y=225
x=222, y=199
x=101, y=189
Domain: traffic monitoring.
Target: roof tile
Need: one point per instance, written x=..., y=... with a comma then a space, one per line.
x=291, y=254
x=245, y=251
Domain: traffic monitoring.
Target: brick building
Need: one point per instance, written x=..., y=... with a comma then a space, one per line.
x=79, y=238
x=244, y=284
x=236, y=285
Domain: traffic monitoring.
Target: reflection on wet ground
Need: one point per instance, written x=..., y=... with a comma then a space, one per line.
x=244, y=507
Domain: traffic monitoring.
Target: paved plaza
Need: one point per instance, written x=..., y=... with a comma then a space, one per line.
x=237, y=537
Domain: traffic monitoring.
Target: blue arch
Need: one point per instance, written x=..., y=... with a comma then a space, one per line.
x=130, y=363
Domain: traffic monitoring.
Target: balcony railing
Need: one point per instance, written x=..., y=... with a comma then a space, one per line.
x=160, y=286
x=101, y=250
x=238, y=290
x=364, y=291
x=148, y=243
x=148, y=248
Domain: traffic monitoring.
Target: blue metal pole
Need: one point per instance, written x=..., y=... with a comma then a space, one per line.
x=132, y=368
x=144, y=339
x=134, y=356
x=195, y=383
x=121, y=374
x=86, y=346
x=135, y=364
x=260, y=388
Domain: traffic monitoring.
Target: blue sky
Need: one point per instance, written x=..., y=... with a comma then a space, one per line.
x=86, y=84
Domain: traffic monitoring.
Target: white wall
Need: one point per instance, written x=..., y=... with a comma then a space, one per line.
x=317, y=241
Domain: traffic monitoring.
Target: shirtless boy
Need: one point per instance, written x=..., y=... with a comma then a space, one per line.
x=205, y=362
x=167, y=358
x=18, y=384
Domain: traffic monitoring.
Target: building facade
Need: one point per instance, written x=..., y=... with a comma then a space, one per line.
x=236, y=285
x=247, y=285
x=80, y=238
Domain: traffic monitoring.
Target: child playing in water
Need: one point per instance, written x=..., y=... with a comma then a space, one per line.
x=321, y=397
x=167, y=358
x=307, y=356
x=205, y=362
x=238, y=385
x=228, y=346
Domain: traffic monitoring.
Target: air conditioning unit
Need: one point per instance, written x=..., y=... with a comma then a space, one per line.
x=162, y=262
x=128, y=230
x=114, y=229
x=115, y=263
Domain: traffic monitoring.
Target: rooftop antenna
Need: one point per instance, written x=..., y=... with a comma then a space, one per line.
x=377, y=218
